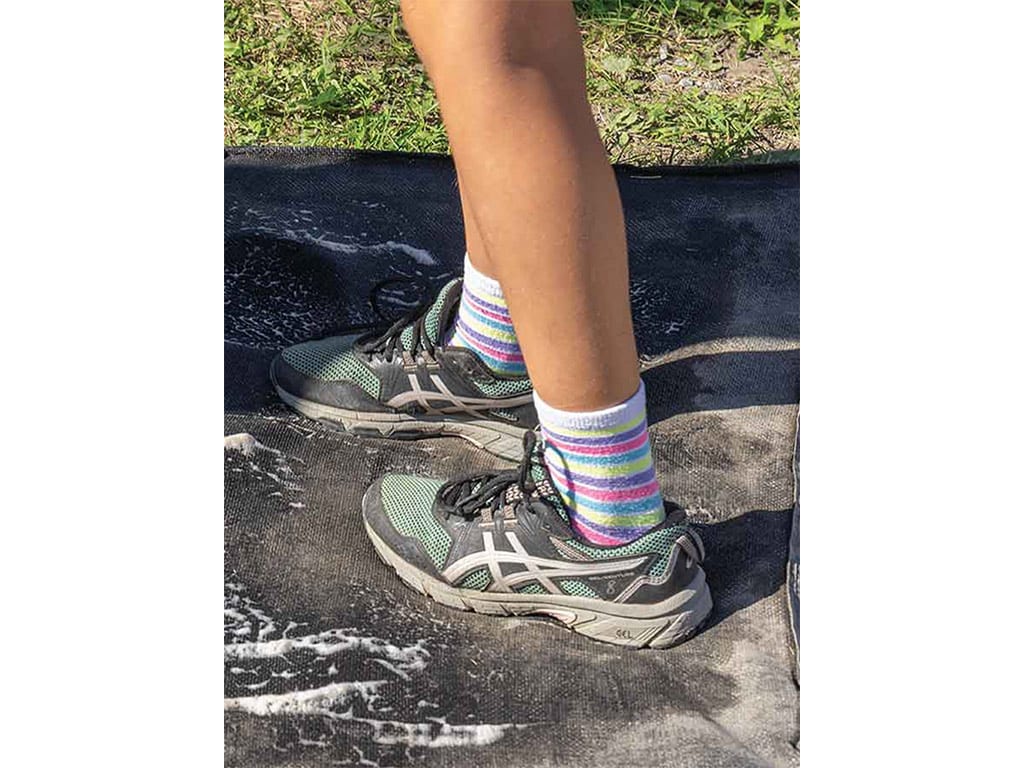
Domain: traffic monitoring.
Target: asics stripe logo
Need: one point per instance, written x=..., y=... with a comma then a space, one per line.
x=431, y=401
x=538, y=569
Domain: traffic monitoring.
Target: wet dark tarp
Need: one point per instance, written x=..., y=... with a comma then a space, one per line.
x=329, y=659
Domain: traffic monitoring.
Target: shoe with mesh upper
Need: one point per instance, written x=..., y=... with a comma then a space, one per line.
x=405, y=382
x=500, y=543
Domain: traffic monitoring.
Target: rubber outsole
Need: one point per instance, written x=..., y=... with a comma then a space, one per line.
x=502, y=440
x=670, y=622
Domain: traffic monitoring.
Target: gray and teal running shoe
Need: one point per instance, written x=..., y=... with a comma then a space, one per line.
x=500, y=543
x=406, y=383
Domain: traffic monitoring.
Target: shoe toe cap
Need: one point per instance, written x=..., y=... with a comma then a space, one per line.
x=399, y=511
x=327, y=372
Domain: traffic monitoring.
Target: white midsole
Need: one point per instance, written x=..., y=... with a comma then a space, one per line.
x=504, y=440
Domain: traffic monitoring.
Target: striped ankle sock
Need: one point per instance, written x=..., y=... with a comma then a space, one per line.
x=485, y=326
x=601, y=463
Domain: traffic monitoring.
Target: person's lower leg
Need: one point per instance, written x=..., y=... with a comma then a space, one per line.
x=510, y=80
x=474, y=242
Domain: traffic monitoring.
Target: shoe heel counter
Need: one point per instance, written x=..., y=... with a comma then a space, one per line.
x=685, y=560
x=682, y=568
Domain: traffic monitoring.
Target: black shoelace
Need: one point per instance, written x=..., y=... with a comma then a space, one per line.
x=389, y=341
x=470, y=495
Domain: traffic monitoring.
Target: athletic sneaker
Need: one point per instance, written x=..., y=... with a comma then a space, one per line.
x=500, y=543
x=406, y=383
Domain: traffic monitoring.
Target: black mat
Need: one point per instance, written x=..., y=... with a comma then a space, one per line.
x=329, y=659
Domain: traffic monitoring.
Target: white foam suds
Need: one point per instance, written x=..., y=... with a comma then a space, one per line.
x=282, y=472
x=317, y=701
x=402, y=660
x=437, y=733
x=255, y=647
x=392, y=668
x=242, y=616
x=419, y=255
x=327, y=700
x=243, y=442
x=326, y=241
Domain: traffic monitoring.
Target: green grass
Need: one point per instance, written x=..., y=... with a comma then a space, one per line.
x=671, y=81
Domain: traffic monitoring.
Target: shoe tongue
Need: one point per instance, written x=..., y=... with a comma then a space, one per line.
x=441, y=313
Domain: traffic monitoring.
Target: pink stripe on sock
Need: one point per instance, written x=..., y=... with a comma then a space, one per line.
x=593, y=536
x=596, y=483
x=487, y=349
x=597, y=450
x=624, y=494
x=501, y=317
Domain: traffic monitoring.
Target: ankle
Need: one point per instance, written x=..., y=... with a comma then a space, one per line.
x=484, y=324
x=601, y=464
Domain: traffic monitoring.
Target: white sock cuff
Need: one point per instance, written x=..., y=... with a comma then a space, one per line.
x=480, y=283
x=603, y=419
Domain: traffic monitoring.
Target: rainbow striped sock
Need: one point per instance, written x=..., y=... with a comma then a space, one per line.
x=601, y=464
x=485, y=326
